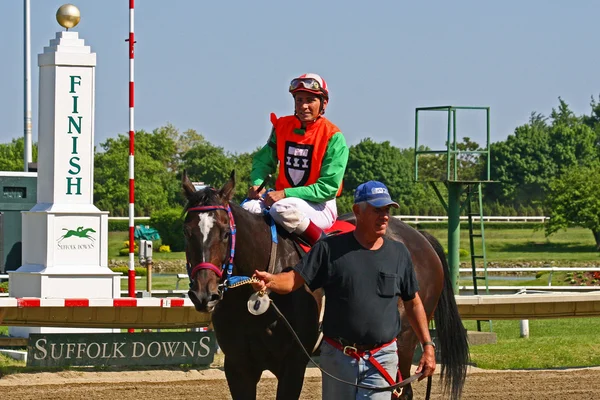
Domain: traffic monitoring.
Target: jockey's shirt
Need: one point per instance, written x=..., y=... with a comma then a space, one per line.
x=312, y=161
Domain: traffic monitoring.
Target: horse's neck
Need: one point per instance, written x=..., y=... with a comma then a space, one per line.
x=253, y=241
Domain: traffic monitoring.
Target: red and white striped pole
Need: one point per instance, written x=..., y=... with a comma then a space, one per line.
x=131, y=283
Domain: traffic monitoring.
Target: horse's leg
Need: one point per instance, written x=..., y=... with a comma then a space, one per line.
x=242, y=379
x=407, y=341
x=291, y=377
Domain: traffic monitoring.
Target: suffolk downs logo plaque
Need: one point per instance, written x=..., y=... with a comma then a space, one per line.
x=121, y=349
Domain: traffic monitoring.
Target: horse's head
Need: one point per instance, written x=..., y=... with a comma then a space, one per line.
x=207, y=230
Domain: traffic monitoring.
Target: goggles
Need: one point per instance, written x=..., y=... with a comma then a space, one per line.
x=306, y=83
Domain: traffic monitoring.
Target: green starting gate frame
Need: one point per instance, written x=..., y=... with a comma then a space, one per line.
x=455, y=186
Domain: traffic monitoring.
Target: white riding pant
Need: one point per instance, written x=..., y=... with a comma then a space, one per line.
x=294, y=214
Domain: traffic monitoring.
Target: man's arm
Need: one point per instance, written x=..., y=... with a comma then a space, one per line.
x=282, y=283
x=418, y=321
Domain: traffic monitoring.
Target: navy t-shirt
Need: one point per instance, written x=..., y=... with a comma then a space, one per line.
x=362, y=287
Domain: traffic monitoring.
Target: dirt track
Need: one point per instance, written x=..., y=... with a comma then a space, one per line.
x=580, y=384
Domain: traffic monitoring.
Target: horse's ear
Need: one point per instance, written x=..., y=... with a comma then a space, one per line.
x=228, y=190
x=186, y=184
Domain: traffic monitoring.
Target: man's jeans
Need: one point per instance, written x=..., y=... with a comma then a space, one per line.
x=356, y=371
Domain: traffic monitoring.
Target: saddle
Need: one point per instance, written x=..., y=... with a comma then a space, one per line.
x=337, y=228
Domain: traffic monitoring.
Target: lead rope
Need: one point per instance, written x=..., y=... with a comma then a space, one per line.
x=248, y=280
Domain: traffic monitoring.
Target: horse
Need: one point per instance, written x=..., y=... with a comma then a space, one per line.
x=213, y=226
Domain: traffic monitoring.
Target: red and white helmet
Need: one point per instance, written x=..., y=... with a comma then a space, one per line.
x=312, y=83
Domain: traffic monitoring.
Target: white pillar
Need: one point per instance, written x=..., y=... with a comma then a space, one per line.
x=524, y=328
x=65, y=237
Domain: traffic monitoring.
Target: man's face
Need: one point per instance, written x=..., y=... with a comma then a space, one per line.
x=373, y=219
x=308, y=106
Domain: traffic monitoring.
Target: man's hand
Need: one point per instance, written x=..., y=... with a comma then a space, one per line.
x=427, y=362
x=264, y=280
x=253, y=192
x=274, y=196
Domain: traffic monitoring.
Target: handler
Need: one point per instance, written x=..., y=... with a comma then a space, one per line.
x=363, y=275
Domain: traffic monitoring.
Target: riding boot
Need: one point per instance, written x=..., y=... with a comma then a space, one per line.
x=312, y=234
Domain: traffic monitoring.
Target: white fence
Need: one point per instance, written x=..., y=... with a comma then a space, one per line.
x=422, y=218
x=430, y=218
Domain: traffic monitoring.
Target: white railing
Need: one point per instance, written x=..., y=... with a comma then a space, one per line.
x=534, y=269
x=429, y=218
x=127, y=218
x=440, y=218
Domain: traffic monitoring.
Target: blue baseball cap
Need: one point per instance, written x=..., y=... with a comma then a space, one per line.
x=375, y=193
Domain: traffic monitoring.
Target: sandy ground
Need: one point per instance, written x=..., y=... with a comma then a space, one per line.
x=581, y=384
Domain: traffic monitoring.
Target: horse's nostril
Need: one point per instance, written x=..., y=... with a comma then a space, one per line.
x=214, y=297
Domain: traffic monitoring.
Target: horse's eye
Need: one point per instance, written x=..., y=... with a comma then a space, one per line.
x=226, y=235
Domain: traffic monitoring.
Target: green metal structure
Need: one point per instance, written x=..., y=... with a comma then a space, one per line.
x=460, y=192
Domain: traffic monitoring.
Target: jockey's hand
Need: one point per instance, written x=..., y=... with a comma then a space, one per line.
x=253, y=194
x=264, y=279
x=427, y=362
x=273, y=197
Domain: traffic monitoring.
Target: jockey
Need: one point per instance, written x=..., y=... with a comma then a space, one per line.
x=312, y=156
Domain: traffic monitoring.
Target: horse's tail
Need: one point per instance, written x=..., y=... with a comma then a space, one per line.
x=451, y=335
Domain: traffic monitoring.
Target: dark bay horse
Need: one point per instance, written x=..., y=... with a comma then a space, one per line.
x=252, y=344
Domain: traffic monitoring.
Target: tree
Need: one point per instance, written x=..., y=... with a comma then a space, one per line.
x=242, y=163
x=470, y=166
x=522, y=164
x=208, y=163
x=156, y=186
x=383, y=162
x=573, y=199
x=12, y=155
x=527, y=161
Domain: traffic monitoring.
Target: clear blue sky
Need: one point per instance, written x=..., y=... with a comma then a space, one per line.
x=221, y=67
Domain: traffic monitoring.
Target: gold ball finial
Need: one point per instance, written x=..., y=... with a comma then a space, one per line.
x=68, y=16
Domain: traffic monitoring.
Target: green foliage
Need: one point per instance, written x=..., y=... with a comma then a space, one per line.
x=169, y=224
x=118, y=225
x=469, y=166
x=4, y=287
x=125, y=251
x=242, y=163
x=383, y=162
x=208, y=163
x=529, y=160
x=573, y=199
x=12, y=155
x=139, y=271
x=156, y=186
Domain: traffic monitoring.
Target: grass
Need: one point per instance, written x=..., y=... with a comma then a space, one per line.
x=159, y=282
x=116, y=241
x=553, y=343
x=522, y=245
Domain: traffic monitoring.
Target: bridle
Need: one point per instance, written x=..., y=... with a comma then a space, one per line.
x=227, y=266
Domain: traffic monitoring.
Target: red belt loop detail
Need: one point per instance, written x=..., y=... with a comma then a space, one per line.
x=357, y=354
